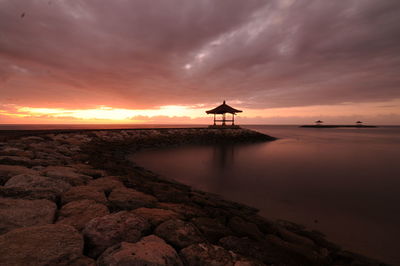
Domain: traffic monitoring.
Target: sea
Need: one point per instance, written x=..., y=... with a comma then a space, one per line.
x=343, y=182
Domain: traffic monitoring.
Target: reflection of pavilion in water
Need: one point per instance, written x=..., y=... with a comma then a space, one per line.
x=223, y=156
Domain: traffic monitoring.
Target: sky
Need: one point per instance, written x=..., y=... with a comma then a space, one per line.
x=142, y=61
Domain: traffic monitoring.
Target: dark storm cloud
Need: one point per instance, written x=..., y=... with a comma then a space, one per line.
x=147, y=53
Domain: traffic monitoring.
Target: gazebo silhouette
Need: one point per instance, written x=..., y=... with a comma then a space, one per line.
x=223, y=109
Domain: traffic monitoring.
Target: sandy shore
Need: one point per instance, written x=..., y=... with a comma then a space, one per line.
x=71, y=197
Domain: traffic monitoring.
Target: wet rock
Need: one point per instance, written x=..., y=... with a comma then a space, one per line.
x=16, y=213
x=106, y=184
x=206, y=254
x=187, y=211
x=156, y=216
x=178, y=233
x=212, y=229
x=82, y=261
x=15, y=160
x=30, y=181
x=244, y=228
x=83, y=193
x=294, y=238
x=41, y=245
x=317, y=256
x=103, y=232
x=130, y=199
x=67, y=174
x=168, y=193
x=8, y=171
x=150, y=250
x=246, y=247
x=79, y=213
x=22, y=193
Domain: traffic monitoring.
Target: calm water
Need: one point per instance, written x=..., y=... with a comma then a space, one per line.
x=343, y=182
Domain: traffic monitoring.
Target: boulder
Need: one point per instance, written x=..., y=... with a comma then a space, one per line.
x=150, y=250
x=187, y=211
x=67, y=174
x=37, y=182
x=106, y=184
x=103, y=232
x=212, y=229
x=206, y=254
x=168, y=192
x=16, y=160
x=16, y=213
x=79, y=213
x=156, y=216
x=22, y=193
x=178, y=233
x=130, y=199
x=7, y=171
x=83, y=193
x=245, y=228
x=41, y=245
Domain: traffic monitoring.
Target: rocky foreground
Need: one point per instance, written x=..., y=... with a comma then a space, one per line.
x=73, y=198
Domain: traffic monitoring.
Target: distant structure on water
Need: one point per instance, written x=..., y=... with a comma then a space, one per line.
x=319, y=122
x=223, y=109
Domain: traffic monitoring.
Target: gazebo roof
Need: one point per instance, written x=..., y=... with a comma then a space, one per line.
x=222, y=109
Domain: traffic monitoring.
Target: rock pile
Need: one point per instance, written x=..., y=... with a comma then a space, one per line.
x=74, y=199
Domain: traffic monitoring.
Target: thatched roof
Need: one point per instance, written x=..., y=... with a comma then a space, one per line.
x=222, y=109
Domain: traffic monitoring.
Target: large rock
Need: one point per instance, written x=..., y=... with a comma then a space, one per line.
x=212, y=229
x=106, y=184
x=67, y=174
x=16, y=213
x=178, y=233
x=30, y=181
x=157, y=216
x=79, y=213
x=103, y=232
x=41, y=245
x=83, y=193
x=16, y=160
x=150, y=250
x=7, y=171
x=244, y=228
x=130, y=199
x=22, y=193
x=168, y=192
x=206, y=254
x=187, y=211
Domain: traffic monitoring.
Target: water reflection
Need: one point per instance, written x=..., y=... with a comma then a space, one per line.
x=346, y=180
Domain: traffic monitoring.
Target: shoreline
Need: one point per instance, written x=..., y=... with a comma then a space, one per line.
x=193, y=225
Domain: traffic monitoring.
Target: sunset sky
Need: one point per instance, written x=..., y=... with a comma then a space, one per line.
x=167, y=61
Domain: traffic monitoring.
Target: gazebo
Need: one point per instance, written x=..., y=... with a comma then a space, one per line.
x=223, y=109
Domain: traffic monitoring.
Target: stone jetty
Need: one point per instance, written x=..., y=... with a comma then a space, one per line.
x=73, y=198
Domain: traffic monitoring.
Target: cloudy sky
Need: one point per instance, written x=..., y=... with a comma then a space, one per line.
x=283, y=61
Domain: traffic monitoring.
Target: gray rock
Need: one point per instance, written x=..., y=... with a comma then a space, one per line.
x=150, y=250
x=67, y=174
x=206, y=254
x=212, y=229
x=187, y=211
x=7, y=171
x=156, y=216
x=106, y=184
x=16, y=213
x=79, y=213
x=102, y=232
x=178, y=233
x=130, y=199
x=41, y=245
x=16, y=160
x=83, y=193
x=244, y=228
x=29, y=181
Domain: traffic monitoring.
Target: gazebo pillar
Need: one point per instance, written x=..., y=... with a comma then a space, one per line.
x=214, y=120
x=233, y=119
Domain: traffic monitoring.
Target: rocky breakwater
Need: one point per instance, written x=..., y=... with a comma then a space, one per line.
x=73, y=198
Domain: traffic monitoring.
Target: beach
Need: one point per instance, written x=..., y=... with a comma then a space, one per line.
x=77, y=196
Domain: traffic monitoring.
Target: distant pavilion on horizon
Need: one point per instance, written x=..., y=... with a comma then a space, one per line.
x=223, y=109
